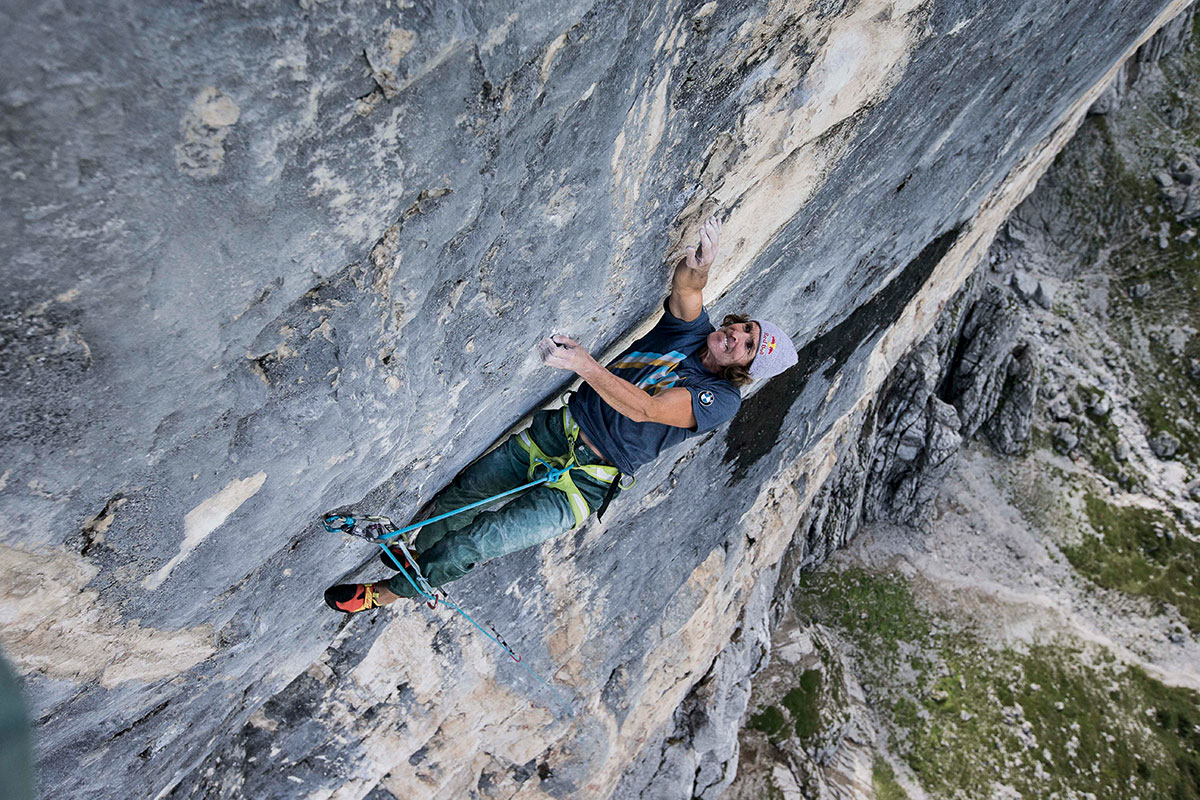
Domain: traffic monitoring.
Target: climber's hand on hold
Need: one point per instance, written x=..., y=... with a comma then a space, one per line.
x=563, y=352
x=702, y=257
x=691, y=273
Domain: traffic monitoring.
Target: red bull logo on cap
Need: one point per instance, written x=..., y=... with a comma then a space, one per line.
x=767, y=345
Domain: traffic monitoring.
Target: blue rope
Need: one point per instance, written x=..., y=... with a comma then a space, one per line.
x=551, y=476
x=467, y=616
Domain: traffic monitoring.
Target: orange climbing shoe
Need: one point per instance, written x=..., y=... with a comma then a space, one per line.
x=352, y=597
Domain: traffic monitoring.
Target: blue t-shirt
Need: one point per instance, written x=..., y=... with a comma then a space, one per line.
x=663, y=358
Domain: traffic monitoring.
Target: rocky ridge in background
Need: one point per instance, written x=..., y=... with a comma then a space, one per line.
x=266, y=263
x=1025, y=557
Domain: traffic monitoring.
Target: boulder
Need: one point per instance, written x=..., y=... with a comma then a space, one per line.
x=1163, y=444
x=1060, y=408
x=1100, y=406
x=1185, y=170
x=1024, y=284
x=1044, y=296
x=1065, y=438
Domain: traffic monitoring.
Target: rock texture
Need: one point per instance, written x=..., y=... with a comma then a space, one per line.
x=976, y=371
x=265, y=262
x=822, y=744
x=989, y=477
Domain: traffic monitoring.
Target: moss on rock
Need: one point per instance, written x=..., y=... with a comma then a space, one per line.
x=803, y=703
x=883, y=781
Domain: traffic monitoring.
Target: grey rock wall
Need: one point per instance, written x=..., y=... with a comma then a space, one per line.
x=261, y=262
x=976, y=371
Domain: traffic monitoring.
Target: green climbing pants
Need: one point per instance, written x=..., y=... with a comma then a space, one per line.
x=449, y=549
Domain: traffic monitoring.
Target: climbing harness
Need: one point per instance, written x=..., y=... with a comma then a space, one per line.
x=559, y=470
x=381, y=531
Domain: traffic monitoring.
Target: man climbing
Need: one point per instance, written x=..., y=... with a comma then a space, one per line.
x=679, y=380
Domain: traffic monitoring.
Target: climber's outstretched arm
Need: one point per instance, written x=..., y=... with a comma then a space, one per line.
x=691, y=273
x=670, y=407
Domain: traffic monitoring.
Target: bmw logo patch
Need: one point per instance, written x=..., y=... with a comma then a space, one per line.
x=706, y=398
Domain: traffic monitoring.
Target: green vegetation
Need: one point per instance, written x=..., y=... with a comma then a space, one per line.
x=1153, y=290
x=883, y=782
x=1098, y=437
x=803, y=703
x=1106, y=190
x=1056, y=718
x=1140, y=551
x=966, y=717
x=800, y=715
x=1161, y=410
x=1040, y=439
x=769, y=721
x=879, y=612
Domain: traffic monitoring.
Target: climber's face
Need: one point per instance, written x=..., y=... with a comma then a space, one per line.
x=734, y=345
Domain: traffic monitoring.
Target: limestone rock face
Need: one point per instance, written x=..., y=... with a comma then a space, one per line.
x=261, y=262
x=918, y=434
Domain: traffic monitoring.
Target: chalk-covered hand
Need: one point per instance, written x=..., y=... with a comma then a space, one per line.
x=702, y=257
x=563, y=352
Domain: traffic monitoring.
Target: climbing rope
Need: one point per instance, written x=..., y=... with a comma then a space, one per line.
x=342, y=523
x=380, y=530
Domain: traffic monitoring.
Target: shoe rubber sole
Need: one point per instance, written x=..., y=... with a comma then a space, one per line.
x=341, y=593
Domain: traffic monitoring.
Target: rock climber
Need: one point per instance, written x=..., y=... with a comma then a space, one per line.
x=680, y=380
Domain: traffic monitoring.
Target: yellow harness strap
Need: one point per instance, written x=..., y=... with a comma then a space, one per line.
x=600, y=472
